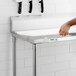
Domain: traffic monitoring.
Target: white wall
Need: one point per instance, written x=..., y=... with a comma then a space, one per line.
x=60, y=6
x=9, y=8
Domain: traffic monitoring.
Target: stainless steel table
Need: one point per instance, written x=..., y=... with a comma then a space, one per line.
x=37, y=37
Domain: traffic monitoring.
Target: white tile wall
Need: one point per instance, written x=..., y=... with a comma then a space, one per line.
x=4, y=73
x=73, y=63
x=73, y=47
x=66, y=57
x=62, y=6
x=62, y=73
x=54, y=50
x=72, y=72
x=46, y=74
x=28, y=61
x=20, y=64
x=4, y=49
x=49, y=9
x=52, y=67
x=45, y=60
x=66, y=73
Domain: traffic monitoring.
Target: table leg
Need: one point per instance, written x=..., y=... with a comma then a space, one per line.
x=14, y=56
x=34, y=59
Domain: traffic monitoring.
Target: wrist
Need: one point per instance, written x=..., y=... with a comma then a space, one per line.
x=69, y=24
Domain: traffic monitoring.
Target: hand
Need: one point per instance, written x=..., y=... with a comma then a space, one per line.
x=64, y=30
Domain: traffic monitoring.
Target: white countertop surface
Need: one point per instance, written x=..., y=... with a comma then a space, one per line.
x=44, y=35
x=41, y=32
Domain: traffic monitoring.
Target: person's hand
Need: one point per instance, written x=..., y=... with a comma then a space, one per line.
x=64, y=30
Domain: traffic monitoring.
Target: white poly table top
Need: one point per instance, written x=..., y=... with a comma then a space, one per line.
x=45, y=35
x=39, y=32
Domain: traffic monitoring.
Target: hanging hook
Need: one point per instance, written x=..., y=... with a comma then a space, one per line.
x=42, y=6
x=30, y=6
x=19, y=7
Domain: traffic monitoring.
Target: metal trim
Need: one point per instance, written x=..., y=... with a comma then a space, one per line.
x=34, y=45
x=14, y=56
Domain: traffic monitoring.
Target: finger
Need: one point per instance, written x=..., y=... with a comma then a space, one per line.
x=65, y=34
x=60, y=30
x=61, y=34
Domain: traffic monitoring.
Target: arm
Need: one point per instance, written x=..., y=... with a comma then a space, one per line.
x=72, y=22
x=66, y=26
